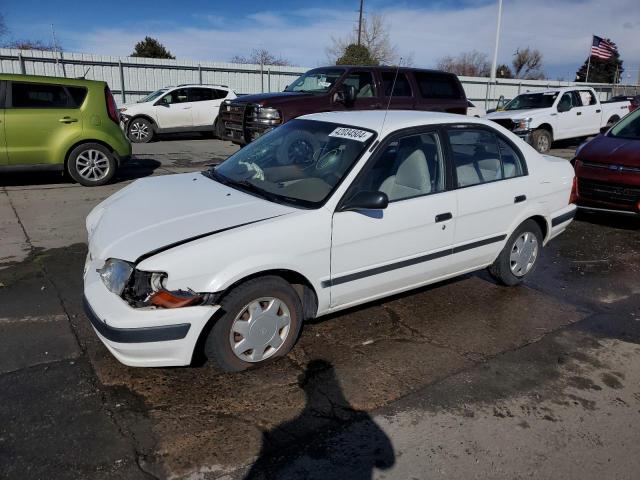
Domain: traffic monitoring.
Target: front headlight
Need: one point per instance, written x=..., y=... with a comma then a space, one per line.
x=115, y=274
x=522, y=124
x=268, y=115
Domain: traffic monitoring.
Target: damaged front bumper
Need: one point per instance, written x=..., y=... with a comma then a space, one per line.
x=143, y=337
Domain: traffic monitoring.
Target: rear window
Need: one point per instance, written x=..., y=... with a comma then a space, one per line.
x=402, y=87
x=437, y=85
x=42, y=95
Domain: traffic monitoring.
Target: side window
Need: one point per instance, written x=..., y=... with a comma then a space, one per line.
x=200, y=94
x=566, y=101
x=220, y=94
x=176, y=96
x=363, y=82
x=512, y=162
x=402, y=87
x=576, y=99
x=437, y=85
x=476, y=156
x=409, y=167
x=78, y=94
x=588, y=98
x=38, y=95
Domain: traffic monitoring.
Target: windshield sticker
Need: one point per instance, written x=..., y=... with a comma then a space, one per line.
x=324, y=84
x=351, y=134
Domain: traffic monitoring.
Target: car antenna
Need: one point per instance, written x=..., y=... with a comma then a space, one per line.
x=85, y=74
x=393, y=86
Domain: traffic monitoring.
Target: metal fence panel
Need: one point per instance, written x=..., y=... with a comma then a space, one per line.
x=144, y=75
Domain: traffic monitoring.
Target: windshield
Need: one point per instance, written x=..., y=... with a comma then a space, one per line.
x=532, y=100
x=316, y=81
x=299, y=163
x=153, y=96
x=628, y=127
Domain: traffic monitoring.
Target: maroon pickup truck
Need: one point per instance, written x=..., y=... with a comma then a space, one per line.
x=341, y=88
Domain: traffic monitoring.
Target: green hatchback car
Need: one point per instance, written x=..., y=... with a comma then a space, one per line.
x=50, y=123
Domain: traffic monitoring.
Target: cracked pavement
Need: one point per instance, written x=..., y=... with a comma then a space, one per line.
x=463, y=379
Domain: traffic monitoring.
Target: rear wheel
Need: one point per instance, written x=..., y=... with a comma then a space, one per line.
x=541, y=140
x=91, y=164
x=218, y=129
x=261, y=321
x=519, y=256
x=612, y=121
x=140, y=130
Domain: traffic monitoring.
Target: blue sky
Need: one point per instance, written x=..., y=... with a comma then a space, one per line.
x=301, y=31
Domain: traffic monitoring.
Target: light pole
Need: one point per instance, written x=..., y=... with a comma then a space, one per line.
x=494, y=64
x=360, y=22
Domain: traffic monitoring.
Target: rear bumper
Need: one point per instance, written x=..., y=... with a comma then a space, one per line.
x=560, y=220
x=142, y=337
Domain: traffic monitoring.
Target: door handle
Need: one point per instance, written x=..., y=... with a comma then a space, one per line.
x=598, y=111
x=519, y=199
x=578, y=113
x=443, y=216
x=67, y=120
x=186, y=108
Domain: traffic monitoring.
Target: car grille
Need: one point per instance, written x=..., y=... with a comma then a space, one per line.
x=506, y=123
x=608, y=192
x=614, y=168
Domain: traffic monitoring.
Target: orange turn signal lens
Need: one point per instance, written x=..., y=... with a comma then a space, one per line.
x=167, y=299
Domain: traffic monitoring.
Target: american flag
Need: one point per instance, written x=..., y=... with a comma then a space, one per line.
x=603, y=48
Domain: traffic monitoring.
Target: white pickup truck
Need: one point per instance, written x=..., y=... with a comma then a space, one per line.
x=542, y=117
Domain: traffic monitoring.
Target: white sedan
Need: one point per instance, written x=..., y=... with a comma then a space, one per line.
x=328, y=211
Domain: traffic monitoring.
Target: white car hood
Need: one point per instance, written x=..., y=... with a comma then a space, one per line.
x=510, y=114
x=154, y=213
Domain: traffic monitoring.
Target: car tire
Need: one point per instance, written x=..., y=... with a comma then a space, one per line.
x=140, y=130
x=218, y=129
x=519, y=257
x=541, y=140
x=91, y=164
x=612, y=121
x=280, y=324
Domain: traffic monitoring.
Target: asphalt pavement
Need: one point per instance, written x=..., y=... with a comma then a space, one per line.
x=464, y=379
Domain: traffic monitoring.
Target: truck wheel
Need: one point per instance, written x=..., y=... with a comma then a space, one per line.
x=91, y=164
x=519, y=256
x=261, y=322
x=218, y=129
x=612, y=121
x=541, y=140
x=140, y=130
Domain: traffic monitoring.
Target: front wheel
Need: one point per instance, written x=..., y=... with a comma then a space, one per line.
x=541, y=140
x=218, y=129
x=519, y=256
x=140, y=131
x=261, y=321
x=91, y=164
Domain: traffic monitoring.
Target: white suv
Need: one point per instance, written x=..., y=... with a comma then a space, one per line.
x=183, y=108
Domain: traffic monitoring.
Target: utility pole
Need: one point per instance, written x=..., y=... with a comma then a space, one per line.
x=360, y=22
x=494, y=64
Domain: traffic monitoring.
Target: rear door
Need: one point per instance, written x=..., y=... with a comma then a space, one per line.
x=375, y=253
x=4, y=159
x=492, y=190
x=173, y=110
x=38, y=119
x=205, y=104
x=591, y=113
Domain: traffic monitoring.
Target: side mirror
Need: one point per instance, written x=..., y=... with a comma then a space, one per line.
x=346, y=95
x=563, y=107
x=366, y=200
x=491, y=110
x=163, y=102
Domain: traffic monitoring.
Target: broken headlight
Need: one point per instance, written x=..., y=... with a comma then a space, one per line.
x=146, y=289
x=115, y=274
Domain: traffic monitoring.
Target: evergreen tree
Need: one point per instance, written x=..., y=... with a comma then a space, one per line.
x=356, y=55
x=151, y=48
x=601, y=71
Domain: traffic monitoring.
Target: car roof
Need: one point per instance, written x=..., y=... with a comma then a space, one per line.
x=18, y=77
x=395, y=119
x=212, y=85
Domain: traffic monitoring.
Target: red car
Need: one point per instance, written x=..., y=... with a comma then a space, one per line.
x=608, y=168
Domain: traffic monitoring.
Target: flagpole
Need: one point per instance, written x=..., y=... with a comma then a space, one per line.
x=586, y=80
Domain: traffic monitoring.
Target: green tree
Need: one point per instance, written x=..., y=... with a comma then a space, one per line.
x=503, y=71
x=151, y=48
x=601, y=71
x=356, y=55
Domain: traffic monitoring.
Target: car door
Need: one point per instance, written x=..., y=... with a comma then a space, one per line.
x=367, y=92
x=567, y=118
x=4, y=159
x=492, y=190
x=590, y=113
x=174, y=111
x=375, y=253
x=39, y=117
x=205, y=106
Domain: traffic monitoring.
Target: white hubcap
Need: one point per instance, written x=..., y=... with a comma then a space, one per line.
x=260, y=329
x=92, y=165
x=139, y=130
x=523, y=254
